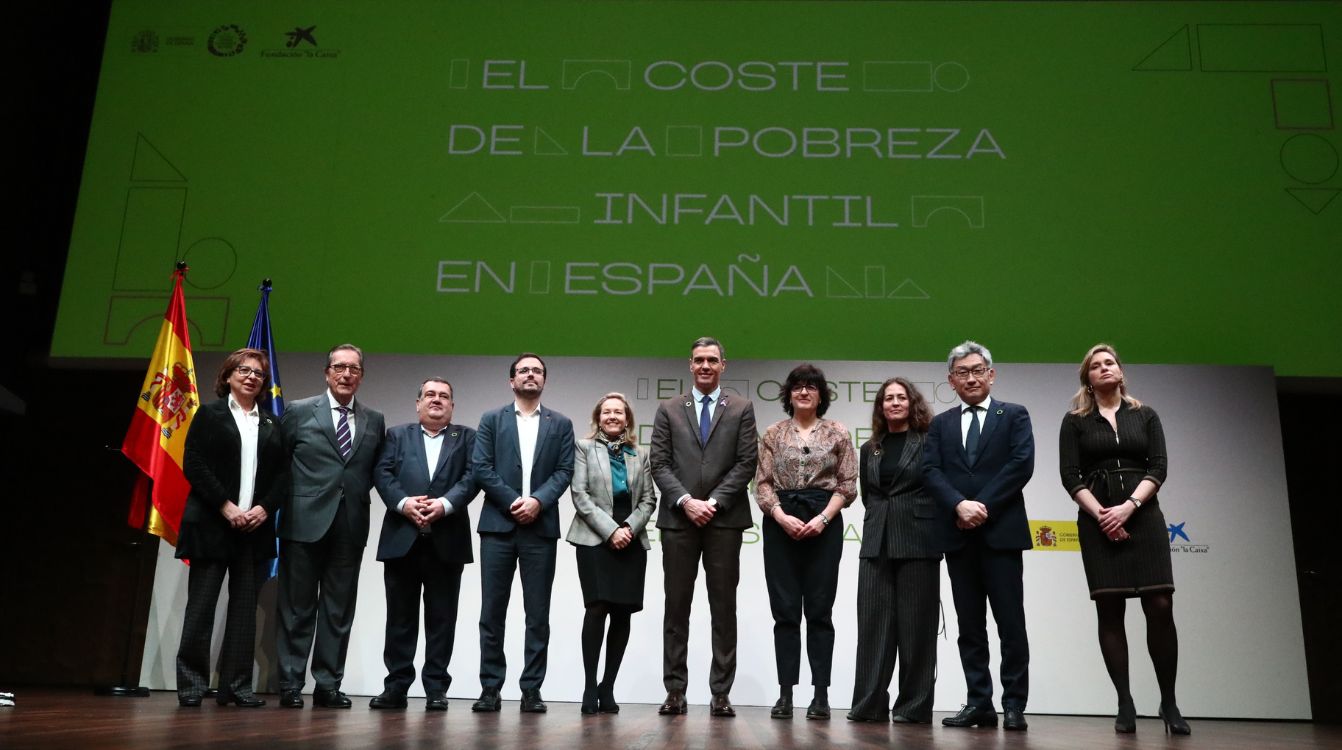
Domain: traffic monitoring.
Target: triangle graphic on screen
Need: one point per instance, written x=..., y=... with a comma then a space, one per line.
x=1175, y=53
x=150, y=165
x=473, y=209
x=1314, y=199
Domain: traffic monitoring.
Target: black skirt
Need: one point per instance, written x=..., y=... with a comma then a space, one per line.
x=611, y=576
x=1139, y=565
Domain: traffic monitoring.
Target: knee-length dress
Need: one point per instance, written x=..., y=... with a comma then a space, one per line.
x=1111, y=464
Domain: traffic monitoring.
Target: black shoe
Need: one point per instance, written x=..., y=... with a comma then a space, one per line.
x=819, y=709
x=721, y=705
x=1013, y=720
x=388, y=700
x=291, y=698
x=488, y=702
x=972, y=716
x=241, y=700
x=782, y=709
x=532, y=703
x=674, y=705
x=852, y=716
x=435, y=702
x=330, y=699
x=1126, y=721
x=605, y=699
x=902, y=719
x=589, y=702
x=188, y=701
x=1174, y=721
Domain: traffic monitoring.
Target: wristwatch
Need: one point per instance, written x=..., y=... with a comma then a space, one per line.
x=824, y=519
x=1137, y=504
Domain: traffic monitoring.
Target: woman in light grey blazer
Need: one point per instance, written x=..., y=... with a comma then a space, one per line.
x=898, y=568
x=613, y=495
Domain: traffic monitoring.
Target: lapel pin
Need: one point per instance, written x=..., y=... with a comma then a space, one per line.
x=1000, y=412
x=455, y=434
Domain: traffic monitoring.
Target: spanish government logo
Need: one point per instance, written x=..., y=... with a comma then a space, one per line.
x=227, y=40
x=1055, y=536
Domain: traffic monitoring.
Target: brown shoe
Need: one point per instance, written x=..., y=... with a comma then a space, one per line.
x=674, y=704
x=721, y=705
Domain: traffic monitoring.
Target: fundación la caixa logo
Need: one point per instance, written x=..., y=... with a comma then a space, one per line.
x=1179, y=532
x=300, y=43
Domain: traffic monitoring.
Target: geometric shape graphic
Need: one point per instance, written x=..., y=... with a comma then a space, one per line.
x=968, y=206
x=212, y=261
x=1314, y=199
x=459, y=74
x=133, y=320
x=540, y=277
x=896, y=76
x=839, y=287
x=617, y=71
x=1302, y=104
x=684, y=140
x=1261, y=48
x=642, y=388
x=1175, y=53
x=473, y=209
x=150, y=165
x=544, y=214
x=151, y=229
x=1309, y=158
x=951, y=76
x=546, y=145
x=874, y=276
x=907, y=289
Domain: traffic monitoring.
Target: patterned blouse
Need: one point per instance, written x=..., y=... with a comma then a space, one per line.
x=823, y=460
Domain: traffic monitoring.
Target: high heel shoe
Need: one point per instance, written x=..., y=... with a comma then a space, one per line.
x=1174, y=721
x=1126, y=721
x=589, y=701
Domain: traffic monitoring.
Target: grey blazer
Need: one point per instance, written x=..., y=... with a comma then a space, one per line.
x=322, y=480
x=720, y=469
x=591, y=493
x=901, y=513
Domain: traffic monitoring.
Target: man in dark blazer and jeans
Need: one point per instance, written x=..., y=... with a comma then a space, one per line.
x=424, y=478
x=333, y=441
x=523, y=460
x=977, y=459
x=704, y=450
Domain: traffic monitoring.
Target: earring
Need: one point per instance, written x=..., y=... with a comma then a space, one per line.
x=1089, y=389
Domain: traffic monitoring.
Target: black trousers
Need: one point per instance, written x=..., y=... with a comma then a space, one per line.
x=318, y=589
x=405, y=578
x=500, y=556
x=981, y=576
x=720, y=550
x=803, y=577
x=204, y=581
x=896, y=620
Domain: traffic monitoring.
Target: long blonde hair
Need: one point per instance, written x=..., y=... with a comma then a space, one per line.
x=630, y=427
x=1083, y=402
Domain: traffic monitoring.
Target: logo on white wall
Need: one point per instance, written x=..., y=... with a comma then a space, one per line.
x=1178, y=532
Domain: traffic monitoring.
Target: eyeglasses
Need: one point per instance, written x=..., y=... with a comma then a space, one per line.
x=247, y=372
x=341, y=368
x=530, y=370
x=805, y=388
x=964, y=372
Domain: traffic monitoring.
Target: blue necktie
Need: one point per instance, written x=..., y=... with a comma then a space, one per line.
x=972, y=437
x=705, y=421
x=342, y=432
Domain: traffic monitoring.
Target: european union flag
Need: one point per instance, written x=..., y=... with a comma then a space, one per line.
x=262, y=339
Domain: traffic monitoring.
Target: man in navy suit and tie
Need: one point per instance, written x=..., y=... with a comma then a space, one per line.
x=424, y=478
x=523, y=460
x=977, y=459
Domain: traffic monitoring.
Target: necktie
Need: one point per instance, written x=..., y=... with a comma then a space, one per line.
x=972, y=437
x=342, y=432
x=705, y=421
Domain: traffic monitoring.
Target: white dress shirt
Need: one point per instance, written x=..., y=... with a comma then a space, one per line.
x=966, y=417
x=528, y=430
x=433, y=448
x=249, y=428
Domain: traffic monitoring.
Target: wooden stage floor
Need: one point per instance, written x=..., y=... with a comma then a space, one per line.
x=48, y=718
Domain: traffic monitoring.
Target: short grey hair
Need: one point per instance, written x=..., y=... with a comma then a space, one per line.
x=966, y=349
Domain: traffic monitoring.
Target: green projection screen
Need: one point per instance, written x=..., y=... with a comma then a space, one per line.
x=824, y=180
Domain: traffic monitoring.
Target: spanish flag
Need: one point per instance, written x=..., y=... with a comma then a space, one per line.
x=157, y=436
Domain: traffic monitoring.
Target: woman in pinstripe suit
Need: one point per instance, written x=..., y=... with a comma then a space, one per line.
x=899, y=569
x=1111, y=455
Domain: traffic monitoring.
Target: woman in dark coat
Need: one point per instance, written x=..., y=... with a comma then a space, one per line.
x=237, y=466
x=899, y=569
x=1111, y=455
